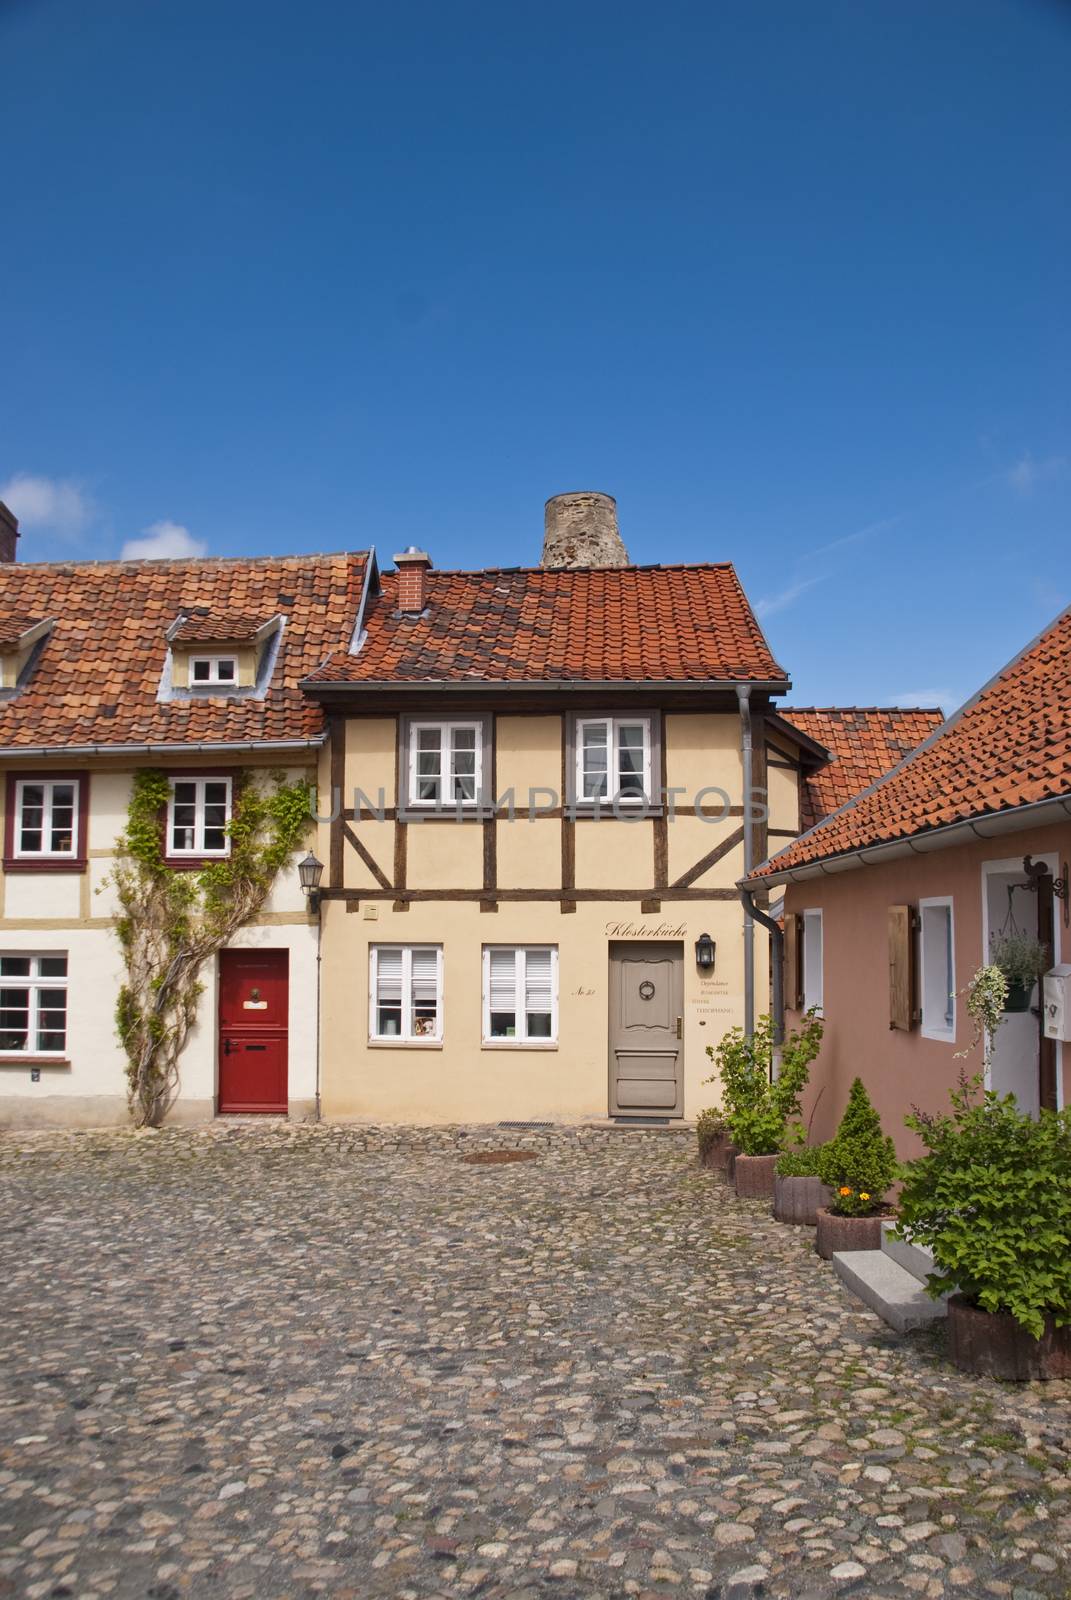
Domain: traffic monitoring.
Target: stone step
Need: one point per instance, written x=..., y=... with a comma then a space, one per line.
x=887, y=1288
x=914, y=1258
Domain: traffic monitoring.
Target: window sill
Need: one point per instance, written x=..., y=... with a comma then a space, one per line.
x=33, y=1061
x=942, y=1037
x=405, y=1044
x=45, y=864
x=520, y=1044
x=193, y=863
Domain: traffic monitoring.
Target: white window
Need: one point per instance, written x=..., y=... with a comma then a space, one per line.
x=445, y=763
x=406, y=990
x=197, y=817
x=33, y=1005
x=613, y=759
x=812, y=961
x=213, y=669
x=520, y=993
x=937, y=971
x=46, y=817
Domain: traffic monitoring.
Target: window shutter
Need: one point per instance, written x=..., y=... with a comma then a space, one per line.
x=903, y=923
x=389, y=976
x=538, y=986
x=425, y=976
x=503, y=981
x=793, y=962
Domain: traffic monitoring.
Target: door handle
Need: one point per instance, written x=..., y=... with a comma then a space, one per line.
x=679, y=1022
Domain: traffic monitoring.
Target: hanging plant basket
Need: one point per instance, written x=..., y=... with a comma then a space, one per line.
x=1018, y=997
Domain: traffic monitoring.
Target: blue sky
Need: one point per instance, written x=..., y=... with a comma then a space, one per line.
x=790, y=280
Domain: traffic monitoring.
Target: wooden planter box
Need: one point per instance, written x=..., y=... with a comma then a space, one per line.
x=716, y=1154
x=797, y=1199
x=992, y=1343
x=754, y=1177
x=846, y=1233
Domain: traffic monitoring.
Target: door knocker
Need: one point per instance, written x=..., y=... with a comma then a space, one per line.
x=647, y=989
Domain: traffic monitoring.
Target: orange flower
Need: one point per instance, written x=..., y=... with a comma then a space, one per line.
x=845, y=1190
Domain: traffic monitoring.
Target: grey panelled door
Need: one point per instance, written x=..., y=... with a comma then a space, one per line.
x=646, y=995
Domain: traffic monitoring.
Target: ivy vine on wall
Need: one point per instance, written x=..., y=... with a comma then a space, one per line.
x=172, y=922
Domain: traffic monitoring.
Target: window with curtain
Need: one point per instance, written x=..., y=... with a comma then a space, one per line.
x=445, y=763
x=613, y=759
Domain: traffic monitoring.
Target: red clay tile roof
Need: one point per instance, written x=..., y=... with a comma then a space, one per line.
x=204, y=627
x=1009, y=746
x=865, y=740
x=97, y=677
x=529, y=625
x=13, y=625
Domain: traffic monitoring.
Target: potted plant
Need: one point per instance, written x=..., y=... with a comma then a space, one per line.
x=715, y=1141
x=798, y=1188
x=1022, y=959
x=858, y=1165
x=758, y=1104
x=992, y=1199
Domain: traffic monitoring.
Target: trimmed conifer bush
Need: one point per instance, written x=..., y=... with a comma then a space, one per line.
x=859, y=1162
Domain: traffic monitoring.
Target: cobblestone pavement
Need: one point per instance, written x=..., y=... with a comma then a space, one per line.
x=271, y=1361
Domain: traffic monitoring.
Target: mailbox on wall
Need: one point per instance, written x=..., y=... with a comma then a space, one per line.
x=1056, y=1002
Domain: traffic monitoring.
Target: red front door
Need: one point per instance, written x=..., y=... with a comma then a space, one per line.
x=254, y=1005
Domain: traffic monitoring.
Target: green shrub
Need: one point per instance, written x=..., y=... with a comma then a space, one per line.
x=803, y=1163
x=859, y=1162
x=992, y=1199
x=710, y=1126
x=756, y=1109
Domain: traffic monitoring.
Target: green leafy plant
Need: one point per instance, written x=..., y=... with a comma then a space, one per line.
x=859, y=1162
x=757, y=1107
x=992, y=1199
x=171, y=922
x=710, y=1128
x=986, y=996
x=1021, y=958
x=802, y=1163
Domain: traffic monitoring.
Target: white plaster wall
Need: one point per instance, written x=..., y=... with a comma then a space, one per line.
x=109, y=800
x=32, y=896
x=94, y=974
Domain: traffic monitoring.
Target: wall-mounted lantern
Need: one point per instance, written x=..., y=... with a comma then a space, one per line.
x=705, y=950
x=310, y=871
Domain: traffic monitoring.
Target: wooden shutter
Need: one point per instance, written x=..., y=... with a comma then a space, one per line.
x=793, y=961
x=903, y=924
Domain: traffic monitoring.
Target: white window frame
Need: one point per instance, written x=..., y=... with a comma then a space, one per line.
x=406, y=1036
x=34, y=983
x=213, y=680
x=814, y=992
x=48, y=785
x=943, y=1030
x=613, y=726
x=197, y=850
x=446, y=731
x=521, y=1037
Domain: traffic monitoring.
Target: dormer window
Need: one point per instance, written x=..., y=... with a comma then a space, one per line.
x=213, y=669
x=198, y=814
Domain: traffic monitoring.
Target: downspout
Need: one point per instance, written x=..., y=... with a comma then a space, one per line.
x=743, y=696
x=319, y=945
x=777, y=974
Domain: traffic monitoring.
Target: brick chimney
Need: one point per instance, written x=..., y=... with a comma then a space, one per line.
x=580, y=530
x=413, y=566
x=9, y=532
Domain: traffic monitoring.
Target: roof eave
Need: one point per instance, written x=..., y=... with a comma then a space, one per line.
x=332, y=687
x=986, y=825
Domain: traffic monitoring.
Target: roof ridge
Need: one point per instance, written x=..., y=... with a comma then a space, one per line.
x=181, y=561
x=641, y=566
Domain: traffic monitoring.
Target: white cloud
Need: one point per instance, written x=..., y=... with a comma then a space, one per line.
x=162, y=541
x=1028, y=472
x=926, y=699
x=787, y=597
x=54, y=503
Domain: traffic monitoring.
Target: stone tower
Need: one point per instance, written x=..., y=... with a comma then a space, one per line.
x=580, y=530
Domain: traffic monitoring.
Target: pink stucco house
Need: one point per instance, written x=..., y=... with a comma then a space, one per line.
x=891, y=901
